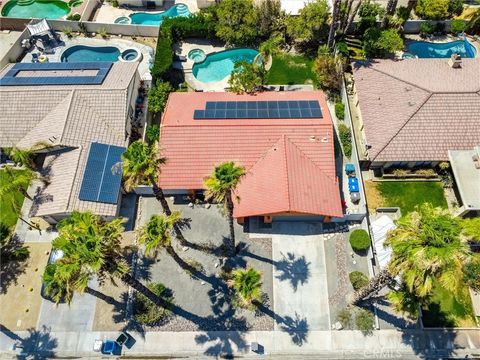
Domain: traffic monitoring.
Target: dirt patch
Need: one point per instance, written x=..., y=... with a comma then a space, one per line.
x=374, y=197
x=21, y=303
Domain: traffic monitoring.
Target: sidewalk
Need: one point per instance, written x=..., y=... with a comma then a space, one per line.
x=336, y=344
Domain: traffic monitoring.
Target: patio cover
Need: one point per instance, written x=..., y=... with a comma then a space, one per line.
x=380, y=228
x=40, y=28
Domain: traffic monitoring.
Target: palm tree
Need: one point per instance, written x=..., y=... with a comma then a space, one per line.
x=428, y=246
x=92, y=247
x=270, y=47
x=26, y=156
x=141, y=166
x=334, y=22
x=247, y=284
x=390, y=11
x=220, y=187
x=17, y=181
x=157, y=234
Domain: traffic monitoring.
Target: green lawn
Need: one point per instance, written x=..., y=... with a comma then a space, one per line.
x=447, y=311
x=8, y=217
x=408, y=194
x=290, y=69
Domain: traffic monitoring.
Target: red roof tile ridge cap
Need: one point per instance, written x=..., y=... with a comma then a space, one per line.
x=237, y=125
x=403, y=126
x=335, y=180
x=284, y=140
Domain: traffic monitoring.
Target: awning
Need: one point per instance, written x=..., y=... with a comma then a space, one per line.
x=40, y=28
x=380, y=228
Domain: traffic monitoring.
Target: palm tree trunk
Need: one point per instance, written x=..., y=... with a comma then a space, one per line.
x=231, y=245
x=377, y=283
x=346, y=15
x=184, y=265
x=333, y=25
x=352, y=16
x=138, y=286
x=160, y=196
x=390, y=11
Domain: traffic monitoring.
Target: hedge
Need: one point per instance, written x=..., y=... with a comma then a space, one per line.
x=196, y=25
x=164, y=54
x=346, y=139
x=359, y=240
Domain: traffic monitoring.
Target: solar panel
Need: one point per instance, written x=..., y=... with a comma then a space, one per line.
x=11, y=79
x=307, y=109
x=101, y=181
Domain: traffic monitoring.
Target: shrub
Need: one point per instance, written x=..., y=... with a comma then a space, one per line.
x=201, y=25
x=359, y=240
x=457, y=26
x=146, y=312
x=340, y=110
x=358, y=280
x=163, y=54
x=153, y=133
x=103, y=32
x=381, y=43
x=433, y=9
x=344, y=317
x=403, y=13
x=158, y=96
x=74, y=17
x=400, y=173
x=346, y=139
x=68, y=31
x=472, y=275
x=328, y=71
x=342, y=49
x=426, y=29
x=364, y=321
x=428, y=173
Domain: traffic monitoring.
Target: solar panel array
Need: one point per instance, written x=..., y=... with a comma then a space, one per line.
x=259, y=110
x=11, y=78
x=101, y=179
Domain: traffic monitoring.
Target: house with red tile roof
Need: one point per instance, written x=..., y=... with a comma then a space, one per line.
x=410, y=113
x=285, y=141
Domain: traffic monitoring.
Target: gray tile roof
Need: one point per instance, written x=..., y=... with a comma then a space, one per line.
x=68, y=116
x=418, y=109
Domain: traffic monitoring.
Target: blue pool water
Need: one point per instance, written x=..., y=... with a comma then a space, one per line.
x=424, y=49
x=48, y=9
x=81, y=53
x=218, y=66
x=142, y=18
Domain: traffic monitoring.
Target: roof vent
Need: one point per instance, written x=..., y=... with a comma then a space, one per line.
x=313, y=138
x=325, y=139
x=455, y=61
x=408, y=88
x=411, y=103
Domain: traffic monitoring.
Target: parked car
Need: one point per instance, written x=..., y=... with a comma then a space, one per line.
x=55, y=255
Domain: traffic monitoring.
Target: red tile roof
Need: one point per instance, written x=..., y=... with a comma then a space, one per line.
x=290, y=162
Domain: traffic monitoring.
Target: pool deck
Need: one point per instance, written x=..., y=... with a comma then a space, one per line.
x=107, y=13
x=121, y=44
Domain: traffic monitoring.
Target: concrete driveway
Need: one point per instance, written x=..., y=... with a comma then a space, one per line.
x=62, y=317
x=299, y=282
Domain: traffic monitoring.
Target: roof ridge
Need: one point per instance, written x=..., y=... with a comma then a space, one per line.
x=402, y=80
x=284, y=140
x=404, y=124
x=309, y=159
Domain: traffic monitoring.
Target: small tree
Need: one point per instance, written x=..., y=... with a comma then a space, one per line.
x=271, y=17
x=432, y=9
x=311, y=24
x=246, y=77
x=328, y=71
x=381, y=43
x=158, y=96
x=237, y=22
x=153, y=133
x=247, y=284
x=457, y=26
x=359, y=240
x=270, y=47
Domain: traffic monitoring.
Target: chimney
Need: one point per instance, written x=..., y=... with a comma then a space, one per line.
x=455, y=61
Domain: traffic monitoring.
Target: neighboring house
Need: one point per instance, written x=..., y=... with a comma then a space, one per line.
x=411, y=112
x=285, y=140
x=466, y=170
x=83, y=111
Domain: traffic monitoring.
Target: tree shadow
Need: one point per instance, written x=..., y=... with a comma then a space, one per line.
x=433, y=344
x=294, y=269
x=296, y=327
x=390, y=317
x=12, y=266
x=38, y=345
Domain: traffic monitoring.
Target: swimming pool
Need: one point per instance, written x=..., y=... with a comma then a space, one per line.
x=424, y=49
x=47, y=9
x=218, y=66
x=82, y=53
x=143, y=18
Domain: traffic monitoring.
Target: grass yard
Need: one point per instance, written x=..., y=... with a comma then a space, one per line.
x=404, y=194
x=447, y=311
x=290, y=69
x=8, y=216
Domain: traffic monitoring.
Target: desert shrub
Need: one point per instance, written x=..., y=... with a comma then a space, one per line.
x=344, y=317
x=346, y=139
x=400, y=173
x=426, y=173
x=364, y=321
x=457, y=26
x=358, y=279
x=359, y=240
x=340, y=110
x=146, y=312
